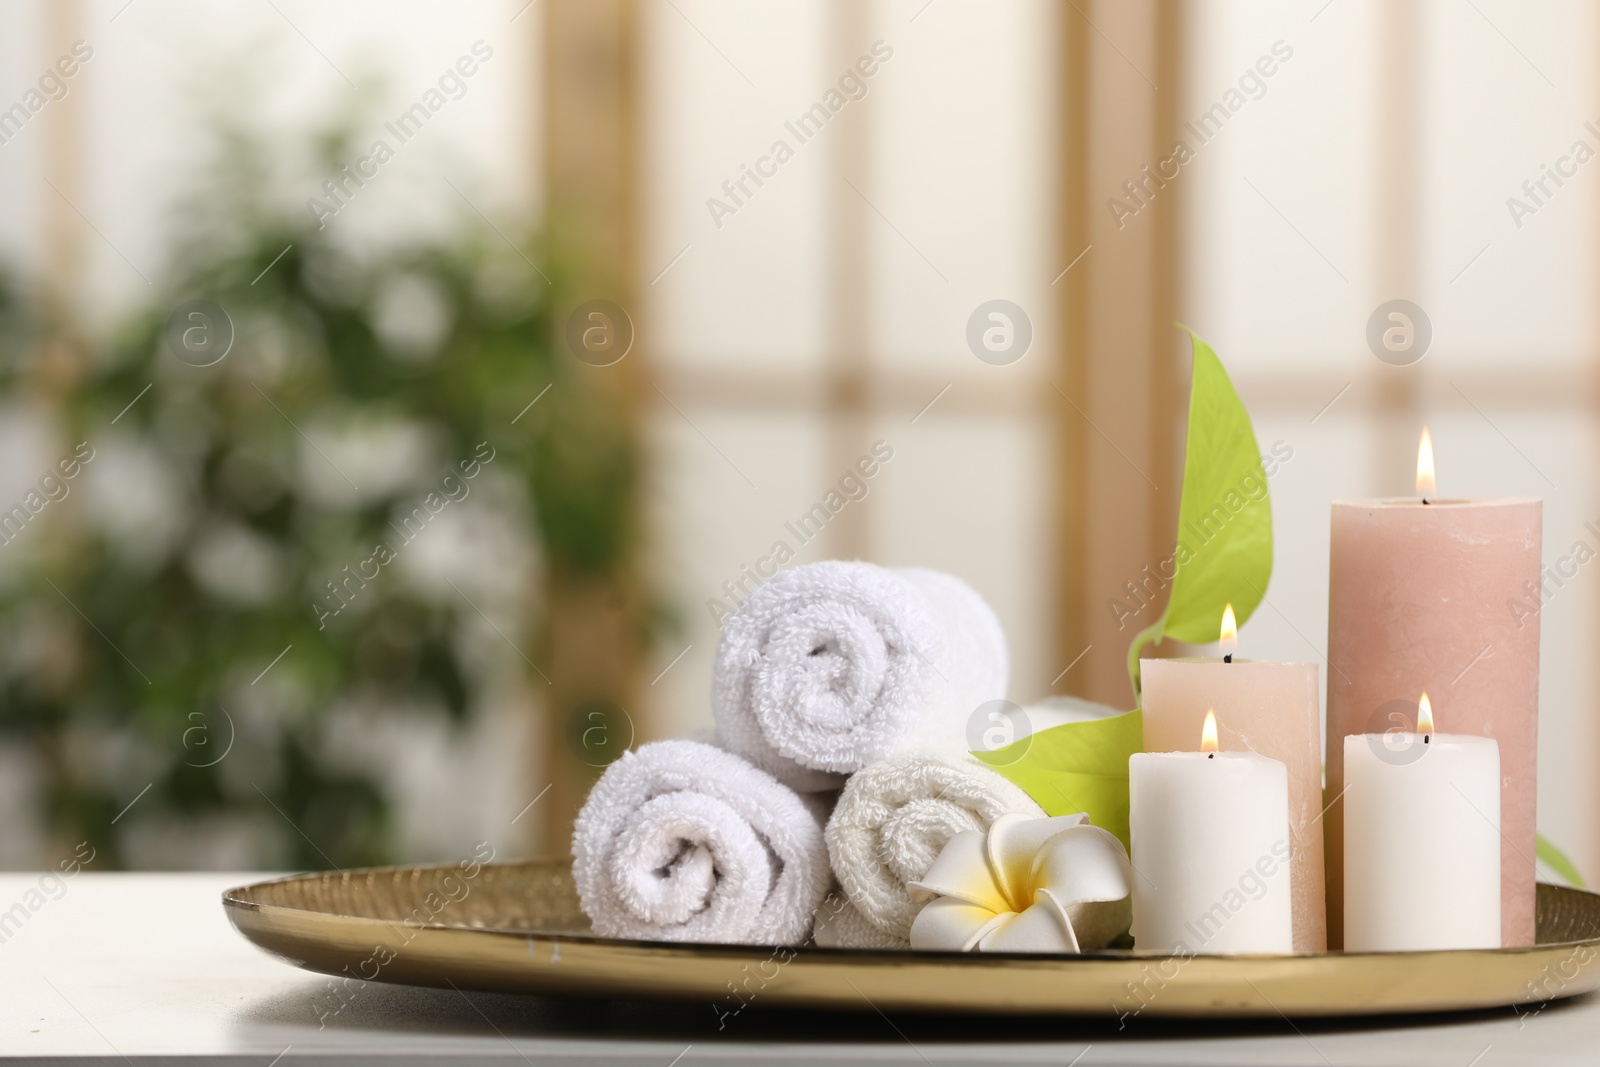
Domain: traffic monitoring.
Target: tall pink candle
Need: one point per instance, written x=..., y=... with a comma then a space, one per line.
x=1270, y=708
x=1421, y=599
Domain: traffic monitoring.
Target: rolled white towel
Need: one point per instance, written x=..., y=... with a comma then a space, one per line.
x=891, y=823
x=680, y=841
x=833, y=666
x=840, y=925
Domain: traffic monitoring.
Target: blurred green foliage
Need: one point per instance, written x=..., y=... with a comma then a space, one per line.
x=120, y=651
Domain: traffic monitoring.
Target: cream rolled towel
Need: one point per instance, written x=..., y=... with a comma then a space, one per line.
x=891, y=823
x=680, y=841
x=840, y=925
x=830, y=667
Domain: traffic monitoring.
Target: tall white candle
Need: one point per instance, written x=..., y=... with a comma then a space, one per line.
x=1421, y=841
x=1210, y=850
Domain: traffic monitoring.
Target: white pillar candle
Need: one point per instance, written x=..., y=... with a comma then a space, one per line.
x=1210, y=850
x=1272, y=708
x=1421, y=841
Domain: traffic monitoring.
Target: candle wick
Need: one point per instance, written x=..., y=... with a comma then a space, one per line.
x=1211, y=755
x=1424, y=500
x=1426, y=738
x=1228, y=658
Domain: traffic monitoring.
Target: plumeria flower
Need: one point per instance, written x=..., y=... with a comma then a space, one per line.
x=1028, y=885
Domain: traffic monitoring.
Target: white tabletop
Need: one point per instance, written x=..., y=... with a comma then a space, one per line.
x=129, y=967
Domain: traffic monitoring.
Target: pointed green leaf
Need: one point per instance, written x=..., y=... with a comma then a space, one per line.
x=1078, y=766
x=1224, y=538
x=1557, y=861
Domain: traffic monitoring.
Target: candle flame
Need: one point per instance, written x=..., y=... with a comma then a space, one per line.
x=1424, y=715
x=1208, y=733
x=1229, y=637
x=1426, y=483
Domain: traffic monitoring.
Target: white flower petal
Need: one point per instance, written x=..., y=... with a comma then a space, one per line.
x=1053, y=885
x=1083, y=863
x=1098, y=923
x=1013, y=842
x=1041, y=928
x=950, y=925
x=961, y=871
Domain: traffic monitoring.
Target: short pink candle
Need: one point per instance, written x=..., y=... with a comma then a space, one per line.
x=1273, y=709
x=1421, y=598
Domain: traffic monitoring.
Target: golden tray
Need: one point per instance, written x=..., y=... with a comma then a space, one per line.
x=516, y=927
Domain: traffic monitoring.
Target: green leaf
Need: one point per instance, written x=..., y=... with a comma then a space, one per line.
x=1077, y=766
x=1224, y=539
x=1557, y=861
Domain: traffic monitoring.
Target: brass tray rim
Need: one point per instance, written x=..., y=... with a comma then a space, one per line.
x=232, y=899
x=278, y=922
